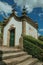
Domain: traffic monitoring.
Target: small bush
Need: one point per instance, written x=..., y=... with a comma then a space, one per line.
x=33, y=49
x=40, y=38
x=34, y=41
x=0, y=35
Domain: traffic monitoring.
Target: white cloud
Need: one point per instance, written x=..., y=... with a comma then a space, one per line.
x=5, y=7
x=40, y=14
x=41, y=30
x=19, y=2
x=30, y=4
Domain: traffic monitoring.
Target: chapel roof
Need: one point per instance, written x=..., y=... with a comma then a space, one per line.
x=19, y=19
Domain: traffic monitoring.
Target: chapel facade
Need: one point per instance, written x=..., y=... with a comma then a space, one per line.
x=15, y=27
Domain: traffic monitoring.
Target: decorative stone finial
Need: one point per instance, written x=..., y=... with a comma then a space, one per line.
x=24, y=11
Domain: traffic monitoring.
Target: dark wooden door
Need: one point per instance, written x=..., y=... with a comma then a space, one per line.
x=12, y=37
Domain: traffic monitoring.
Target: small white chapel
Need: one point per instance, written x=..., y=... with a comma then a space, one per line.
x=14, y=27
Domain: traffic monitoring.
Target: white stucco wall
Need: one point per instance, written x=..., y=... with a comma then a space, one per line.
x=30, y=30
x=18, y=26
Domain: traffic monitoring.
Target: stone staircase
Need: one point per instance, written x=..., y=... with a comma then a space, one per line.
x=12, y=56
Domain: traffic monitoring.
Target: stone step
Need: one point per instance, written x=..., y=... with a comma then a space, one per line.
x=30, y=61
x=14, y=61
x=39, y=63
x=13, y=55
x=9, y=50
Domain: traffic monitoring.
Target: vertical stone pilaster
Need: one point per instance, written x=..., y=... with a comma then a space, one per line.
x=23, y=33
x=23, y=27
x=8, y=38
x=37, y=34
x=21, y=42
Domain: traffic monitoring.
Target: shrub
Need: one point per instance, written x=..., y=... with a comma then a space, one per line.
x=0, y=35
x=41, y=38
x=33, y=49
x=34, y=41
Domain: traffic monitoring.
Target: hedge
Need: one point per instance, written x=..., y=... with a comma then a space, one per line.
x=40, y=38
x=0, y=35
x=33, y=50
x=34, y=41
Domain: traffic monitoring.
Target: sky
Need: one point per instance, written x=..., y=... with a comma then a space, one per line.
x=34, y=10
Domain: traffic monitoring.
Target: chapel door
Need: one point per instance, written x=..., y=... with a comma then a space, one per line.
x=12, y=37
